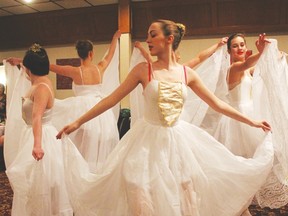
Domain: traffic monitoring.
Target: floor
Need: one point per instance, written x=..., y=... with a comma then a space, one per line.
x=6, y=195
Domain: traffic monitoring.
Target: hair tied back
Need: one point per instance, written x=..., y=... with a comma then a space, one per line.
x=181, y=28
x=35, y=47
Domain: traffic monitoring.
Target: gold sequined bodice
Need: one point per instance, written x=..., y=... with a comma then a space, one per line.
x=164, y=102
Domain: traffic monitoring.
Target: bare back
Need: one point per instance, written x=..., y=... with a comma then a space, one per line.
x=87, y=75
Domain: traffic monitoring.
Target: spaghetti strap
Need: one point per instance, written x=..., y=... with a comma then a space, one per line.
x=81, y=75
x=45, y=84
x=185, y=74
x=149, y=71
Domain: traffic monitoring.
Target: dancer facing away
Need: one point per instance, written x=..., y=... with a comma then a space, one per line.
x=37, y=173
x=96, y=139
x=200, y=57
x=239, y=138
x=164, y=165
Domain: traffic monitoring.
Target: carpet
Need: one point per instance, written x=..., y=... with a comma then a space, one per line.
x=6, y=196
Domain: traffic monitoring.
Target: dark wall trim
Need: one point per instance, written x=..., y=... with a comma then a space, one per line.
x=203, y=18
x=59, y=27
x=213, y=17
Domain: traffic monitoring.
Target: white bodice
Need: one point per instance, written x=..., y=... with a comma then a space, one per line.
x=241, y=93
x=27, y=107
x=85, y=90
x=163, y=102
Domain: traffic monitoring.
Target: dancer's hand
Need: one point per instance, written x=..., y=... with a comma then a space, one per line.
x=137, y=44
x=14, y=61
x=223, y=41
x=68, y=129
x=263, y=124
x=37, y=153
x=117, y=34
x=261, y=42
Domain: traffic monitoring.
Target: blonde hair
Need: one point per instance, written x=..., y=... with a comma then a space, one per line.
x=171, y=28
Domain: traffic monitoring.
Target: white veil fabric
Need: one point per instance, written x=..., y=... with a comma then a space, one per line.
x=270, y=101
x=269, y=92
x=17, y=85
x=111, y=78
x=213, y=74
x=136, y=97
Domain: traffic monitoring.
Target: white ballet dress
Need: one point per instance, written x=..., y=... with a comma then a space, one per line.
x=96, y=138
x=39, y=186
x=165, y=166
x=243, y=140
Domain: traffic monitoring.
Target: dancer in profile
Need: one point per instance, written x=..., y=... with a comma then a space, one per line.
x=36, y=173
x=164, y=165
x=194, y=62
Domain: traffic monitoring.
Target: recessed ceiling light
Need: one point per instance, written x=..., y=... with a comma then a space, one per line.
x=28, y=1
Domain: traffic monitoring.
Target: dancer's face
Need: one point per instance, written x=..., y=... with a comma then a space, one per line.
x=238, y=49
x=156, y=40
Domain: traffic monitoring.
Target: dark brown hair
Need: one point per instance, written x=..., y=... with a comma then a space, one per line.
x=231, y=37
x=36, y=60
x=83, y=47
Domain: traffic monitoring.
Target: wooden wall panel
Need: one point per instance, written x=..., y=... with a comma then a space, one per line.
x=59, y=27
x=195, y=15
x=213, y=17
x=231, y=13
x=201, y=17
x=63, y=82
x=284, y=11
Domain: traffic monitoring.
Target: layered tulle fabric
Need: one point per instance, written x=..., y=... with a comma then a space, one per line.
x=268, y=100
x=39, y=186
x=96, y=138
x=262, y=97
x=157, y=169
x=17, y=85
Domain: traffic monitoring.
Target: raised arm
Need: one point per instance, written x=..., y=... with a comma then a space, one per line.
x=102, y=65
x=132, y=80
x=218, y=105
x=64, y=70
x=251, y=61
x=203, y=55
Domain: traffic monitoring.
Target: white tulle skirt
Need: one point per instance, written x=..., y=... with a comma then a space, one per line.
x=94, y=139
x=243, y=140
x=156, y=170
x=239, y=138
x=39, y=186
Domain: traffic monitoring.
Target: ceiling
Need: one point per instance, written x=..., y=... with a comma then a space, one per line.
x=15, y=7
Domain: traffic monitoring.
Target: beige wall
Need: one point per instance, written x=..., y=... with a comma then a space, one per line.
x=60, y=52
x=188, y=49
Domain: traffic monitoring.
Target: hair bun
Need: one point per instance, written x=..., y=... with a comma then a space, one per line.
x=35, y=47
x=181, y=28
